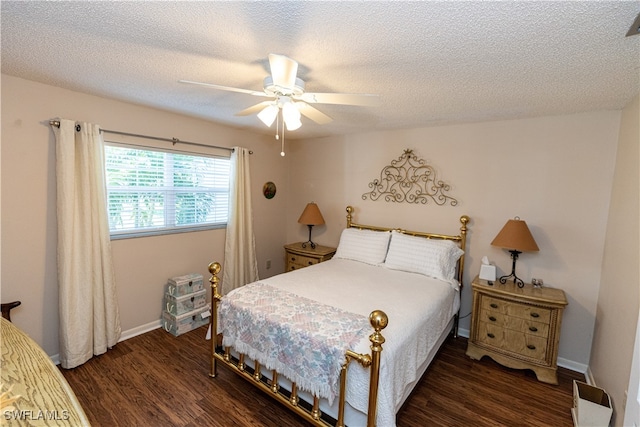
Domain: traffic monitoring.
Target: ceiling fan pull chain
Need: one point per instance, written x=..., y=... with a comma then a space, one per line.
x=282, y=146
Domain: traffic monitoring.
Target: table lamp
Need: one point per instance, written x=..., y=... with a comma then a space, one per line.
x=516, y=237
x=311, y=216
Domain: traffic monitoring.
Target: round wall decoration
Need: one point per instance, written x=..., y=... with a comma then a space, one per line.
x=269, y=190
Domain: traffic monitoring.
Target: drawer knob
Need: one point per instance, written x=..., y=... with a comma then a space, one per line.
x=536, y=315
x=490, y=335
x=493, y=319
x=533, y=329
x=493, y=305
x=293, y=267
x=293, y=258
x=310, y=262
x=531, y=347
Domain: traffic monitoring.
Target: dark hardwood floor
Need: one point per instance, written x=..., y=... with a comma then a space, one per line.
x=156, y=379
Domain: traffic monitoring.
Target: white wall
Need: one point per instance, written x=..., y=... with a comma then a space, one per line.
x=142, y=265
x=619, y=295
x=554, y=172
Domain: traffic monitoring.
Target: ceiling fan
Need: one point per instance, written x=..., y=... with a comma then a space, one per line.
x=288, y=97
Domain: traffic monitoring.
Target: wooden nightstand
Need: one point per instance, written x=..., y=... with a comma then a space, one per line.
x=298, y=257
x=517, y=327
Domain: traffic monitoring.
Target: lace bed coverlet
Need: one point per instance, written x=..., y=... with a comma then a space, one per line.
x=302, y=339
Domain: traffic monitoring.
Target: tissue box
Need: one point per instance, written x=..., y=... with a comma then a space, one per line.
x=488, y=272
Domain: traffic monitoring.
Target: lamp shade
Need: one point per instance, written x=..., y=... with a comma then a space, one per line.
x=311, y=215
x=516, y=235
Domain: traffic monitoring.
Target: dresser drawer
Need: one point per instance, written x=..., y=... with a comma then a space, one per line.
x=490, y=334
x=514, y=323
x=295, y=261
x=525, y=345
x=514, y=309
x=513, y=341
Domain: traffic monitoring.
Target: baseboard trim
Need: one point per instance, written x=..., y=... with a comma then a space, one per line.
x=130, y=333
x=573, y=366
x=463, y=333
x=589, y=377
x=140, y=330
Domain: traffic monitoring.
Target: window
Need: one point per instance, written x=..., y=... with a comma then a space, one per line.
x=150, y=191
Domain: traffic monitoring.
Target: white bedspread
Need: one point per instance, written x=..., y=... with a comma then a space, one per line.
x=418, y=307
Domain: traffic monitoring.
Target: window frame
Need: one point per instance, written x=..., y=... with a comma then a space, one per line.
x=164, y=230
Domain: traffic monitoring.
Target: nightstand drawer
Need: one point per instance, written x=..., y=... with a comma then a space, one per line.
x=515, y=309
x=490, y=334
x=527, y=312
x=516, y=342
x=295, y=261
x=514, y=323
x=525, y=345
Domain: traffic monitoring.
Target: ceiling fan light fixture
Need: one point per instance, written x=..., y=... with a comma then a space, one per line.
x=293, y=124
x=291, y=116
x=268, y=115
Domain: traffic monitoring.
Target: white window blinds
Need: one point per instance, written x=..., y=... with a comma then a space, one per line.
x=151, y=191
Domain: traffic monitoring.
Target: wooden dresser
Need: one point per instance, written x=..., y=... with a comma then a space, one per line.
x=298, y=257
x=517, y=327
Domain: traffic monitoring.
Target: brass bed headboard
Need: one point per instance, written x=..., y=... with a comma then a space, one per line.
x=461, y=238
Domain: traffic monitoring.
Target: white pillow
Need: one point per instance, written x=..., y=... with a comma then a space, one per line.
x=431, y=257
x=366, y=246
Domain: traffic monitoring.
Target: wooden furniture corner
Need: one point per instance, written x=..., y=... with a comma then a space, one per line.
x=7, y=307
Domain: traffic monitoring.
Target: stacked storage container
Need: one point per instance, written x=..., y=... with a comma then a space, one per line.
x=185, y=304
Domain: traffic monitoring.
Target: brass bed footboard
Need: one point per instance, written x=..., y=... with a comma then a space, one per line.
x=308, y=410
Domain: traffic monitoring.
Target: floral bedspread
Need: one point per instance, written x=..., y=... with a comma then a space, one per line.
x=302, y=339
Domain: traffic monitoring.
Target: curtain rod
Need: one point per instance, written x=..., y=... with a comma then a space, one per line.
x=174, y=141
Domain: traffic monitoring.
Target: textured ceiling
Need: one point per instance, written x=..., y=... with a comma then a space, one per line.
x=431, y=62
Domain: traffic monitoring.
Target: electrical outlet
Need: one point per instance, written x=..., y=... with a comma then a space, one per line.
x=268, y=264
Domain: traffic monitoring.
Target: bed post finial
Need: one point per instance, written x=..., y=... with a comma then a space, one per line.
x=214, y=269
x=349, y=218
x=379, y=321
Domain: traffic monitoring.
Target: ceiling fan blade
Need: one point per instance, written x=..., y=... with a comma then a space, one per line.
x=364, y=99
x=283, y=70
x=254, y=108
x=313, y=113
x=227, y=88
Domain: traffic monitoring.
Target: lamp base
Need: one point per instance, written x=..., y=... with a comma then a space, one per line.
x=516, y=279
x=309, y=242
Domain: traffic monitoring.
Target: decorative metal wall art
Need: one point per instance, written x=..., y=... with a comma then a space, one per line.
x=409, y=179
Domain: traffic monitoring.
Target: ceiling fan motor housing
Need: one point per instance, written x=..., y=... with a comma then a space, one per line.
x=275, y=90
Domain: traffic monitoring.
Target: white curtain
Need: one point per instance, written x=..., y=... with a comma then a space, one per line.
x=240, y=263
x=89, y=317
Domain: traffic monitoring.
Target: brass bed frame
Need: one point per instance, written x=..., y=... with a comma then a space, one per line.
x=290, y=398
